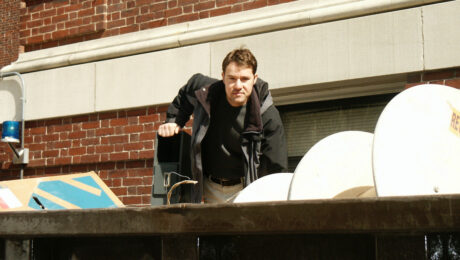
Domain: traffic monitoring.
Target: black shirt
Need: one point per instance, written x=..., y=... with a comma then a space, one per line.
x=222, y=154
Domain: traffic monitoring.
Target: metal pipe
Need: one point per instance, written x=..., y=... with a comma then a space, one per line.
x=23, y=102
x=14, y=150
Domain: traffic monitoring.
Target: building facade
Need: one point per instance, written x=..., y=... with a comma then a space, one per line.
x=99, y=74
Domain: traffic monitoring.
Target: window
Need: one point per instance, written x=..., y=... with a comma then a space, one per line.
x=306, y=124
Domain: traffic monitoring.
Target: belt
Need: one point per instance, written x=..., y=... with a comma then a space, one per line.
x=226, y=182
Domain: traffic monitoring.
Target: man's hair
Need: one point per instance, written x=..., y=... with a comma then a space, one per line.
x=242, y=57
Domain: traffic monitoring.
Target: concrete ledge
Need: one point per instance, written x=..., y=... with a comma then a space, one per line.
x=267, y=19
x=414, y=215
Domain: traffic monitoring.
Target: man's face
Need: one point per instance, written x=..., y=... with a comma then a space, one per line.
x=238, y=81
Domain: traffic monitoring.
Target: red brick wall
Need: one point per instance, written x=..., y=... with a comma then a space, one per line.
x=9, y=31
x=117, y=145
x=46, y=23
x=448, y=77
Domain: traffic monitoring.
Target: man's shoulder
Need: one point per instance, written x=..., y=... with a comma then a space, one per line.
x=271, y=114
x=200, y=80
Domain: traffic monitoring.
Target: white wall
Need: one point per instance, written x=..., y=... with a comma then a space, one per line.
x=441, y=37
x=10, y=103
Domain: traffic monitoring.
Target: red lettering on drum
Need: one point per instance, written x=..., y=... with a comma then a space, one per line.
x=455, y=123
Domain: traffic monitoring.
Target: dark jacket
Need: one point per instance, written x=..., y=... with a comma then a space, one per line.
x=262, y=140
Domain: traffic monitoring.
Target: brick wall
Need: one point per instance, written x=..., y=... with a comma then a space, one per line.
x=9, y=31
x=117, y=145
x=47, y=23
x=448, y=77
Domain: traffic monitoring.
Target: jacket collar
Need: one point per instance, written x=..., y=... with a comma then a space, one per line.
x=216, y=92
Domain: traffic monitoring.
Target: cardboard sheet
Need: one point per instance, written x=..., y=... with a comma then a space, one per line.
x=72, y=191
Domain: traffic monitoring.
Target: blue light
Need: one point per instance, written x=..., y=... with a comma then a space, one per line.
x=10, y=132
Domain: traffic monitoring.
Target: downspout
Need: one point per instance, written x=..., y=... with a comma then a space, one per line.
x=23, y=102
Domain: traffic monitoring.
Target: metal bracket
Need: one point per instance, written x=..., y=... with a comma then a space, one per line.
x=167, y=180
x=21, y=156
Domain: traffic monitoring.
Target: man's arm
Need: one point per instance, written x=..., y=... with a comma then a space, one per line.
x=183, y=104
x=274, y=147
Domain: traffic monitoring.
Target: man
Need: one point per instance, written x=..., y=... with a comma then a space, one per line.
x=237, y=133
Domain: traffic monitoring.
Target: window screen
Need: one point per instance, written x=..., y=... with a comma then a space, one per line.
x=306, y=124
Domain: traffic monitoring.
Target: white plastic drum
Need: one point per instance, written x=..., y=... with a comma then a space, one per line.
x=417, y=143
x=273, y=187
x=339, y=165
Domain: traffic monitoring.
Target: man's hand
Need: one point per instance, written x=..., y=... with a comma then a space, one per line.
x=168, y=129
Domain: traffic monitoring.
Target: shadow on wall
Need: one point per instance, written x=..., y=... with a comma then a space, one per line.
x=10, y=102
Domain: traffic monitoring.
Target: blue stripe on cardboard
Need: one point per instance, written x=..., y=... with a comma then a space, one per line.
x=76, y=196
x=45, y=202
x=88, y=180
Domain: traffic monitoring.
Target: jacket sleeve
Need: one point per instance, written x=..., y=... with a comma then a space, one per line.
x=182, y=107
x=274, y=148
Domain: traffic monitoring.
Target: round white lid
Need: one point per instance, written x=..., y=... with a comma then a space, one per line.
x=416, y=147
x=335, y=164
x=273, y=187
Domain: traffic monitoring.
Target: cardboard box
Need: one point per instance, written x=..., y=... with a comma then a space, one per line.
x=72, y=191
